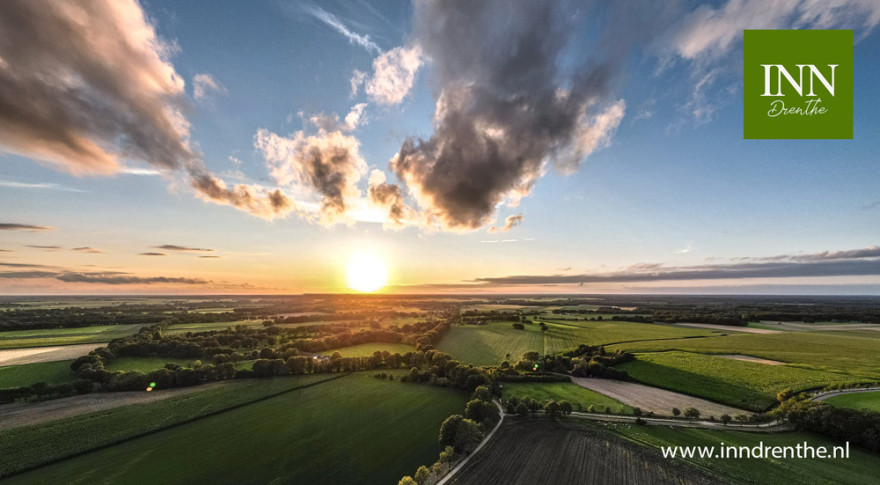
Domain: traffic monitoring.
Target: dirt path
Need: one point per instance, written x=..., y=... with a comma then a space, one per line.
x=28, y=413
x=462, y=463
x=728, y=328
x=32, y=355
x=648, y=398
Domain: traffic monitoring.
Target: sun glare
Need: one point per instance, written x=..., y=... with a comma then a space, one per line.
x=366, y=272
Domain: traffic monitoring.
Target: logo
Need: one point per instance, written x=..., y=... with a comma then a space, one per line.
x=798, y=84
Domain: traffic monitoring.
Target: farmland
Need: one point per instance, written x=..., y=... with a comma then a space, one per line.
x=580, y=397
x=851, y=353
x=743, y=384
x=546, y=451
x=861, y=400
x=327, y=433
x=490, y=344
x=27, y=374
x=64, y=336
x=366, y=350
x=858, y=469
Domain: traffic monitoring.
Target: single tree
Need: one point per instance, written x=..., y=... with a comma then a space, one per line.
x=692, y=413
x=725, y=418
x=676, y=412
x=422, y=475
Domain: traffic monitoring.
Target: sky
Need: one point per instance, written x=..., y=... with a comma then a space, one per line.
x=497, y=147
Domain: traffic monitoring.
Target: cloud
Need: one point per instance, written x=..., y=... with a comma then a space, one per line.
x=85, y=85
x=730, y=271
x=46, y=248
x=152, y=254
x=327, y=164
x=389, y=198
x=209, y=257
x=185, y=249
x=330, y=122
x=125, y=280
x=27, y=274
x=87, y=249
x=863, y=253
x=393, y=75
x=204, y=86
x=333, y=22
x=40, y=186
x=11, y=226
x=505, y=107
x=509, y=223
x=146, y=172
x=357, y=78
x=23, y=265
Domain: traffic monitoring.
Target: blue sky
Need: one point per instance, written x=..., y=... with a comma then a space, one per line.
x=672, y=187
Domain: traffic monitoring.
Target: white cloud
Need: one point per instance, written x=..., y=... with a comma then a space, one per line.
x=393, y=75
x=333, y=22
x=204, y=85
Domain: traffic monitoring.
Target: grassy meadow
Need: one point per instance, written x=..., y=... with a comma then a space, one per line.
x=27, y=374
x=580, y=398
x=366, y=350
x=859, y=400
x=738, y=383
x=355, y=429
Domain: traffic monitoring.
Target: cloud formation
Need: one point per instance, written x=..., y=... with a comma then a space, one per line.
x=394, y=72
x=87, y=249
x=389, y=198
x=11, y=226
x=204, y=86
x=505, y=108
x=46, y=248
x=125, y=280
x=152, y=254
x=183, y=249
x=509, y=224
x=333, y=22
x=327, y=164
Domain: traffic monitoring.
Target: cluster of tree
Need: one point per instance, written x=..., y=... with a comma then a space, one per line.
x=672, y=316
x=42, y=390
x=427, y=340
x=584, y=361
x=858, y=426
x=444, y=372
x=528, y=405
x=347, y=339
x=459, y=435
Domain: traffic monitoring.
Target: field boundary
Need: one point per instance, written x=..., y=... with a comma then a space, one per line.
x=169, y=426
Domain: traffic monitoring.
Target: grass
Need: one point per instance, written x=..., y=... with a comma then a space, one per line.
x=859, y=400
x=46, y=337
x=366, y=350
x=27, y=374
x=860, y=468
x=147, y=364
x=355, y=429
x=853, y=353
x=738, y=383
x=206, y=326
x=30, y=446
x=580, y=398
x=489, y=344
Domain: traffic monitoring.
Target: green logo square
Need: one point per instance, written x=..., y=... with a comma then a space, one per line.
x=798, y=84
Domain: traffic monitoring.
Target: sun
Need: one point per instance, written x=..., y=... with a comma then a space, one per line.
x=366, y=272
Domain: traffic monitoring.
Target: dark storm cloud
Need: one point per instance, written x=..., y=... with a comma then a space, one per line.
x=10, y=226
x=505, y=106
x=175, y=247
x=708, y=272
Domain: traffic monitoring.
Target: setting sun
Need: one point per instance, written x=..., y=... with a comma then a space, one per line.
x=366, y=272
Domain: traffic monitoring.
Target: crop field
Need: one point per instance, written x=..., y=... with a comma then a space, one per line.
x=580, y=398
x=489, y=344
x=860, y=468
x=355, y=429
x=853, y=353
x=64, y=336
x=27, y=374
x=366, y=350
x=859, y=400
x=204, y=327
x=738, y=383
x=146, y=364
x=547, y=451
x=30, y=446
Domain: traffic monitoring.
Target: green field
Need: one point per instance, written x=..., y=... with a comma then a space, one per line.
x=147, y=364
x=860, y=468
x=27, y=374
x=366, y=350
x=859, y=400
x=207, y=326
x=489, y=344
x=580, y=398
x=739, y=383
x=845, y=352
x=356, y=429
x=29, y=446
x=64, y=336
